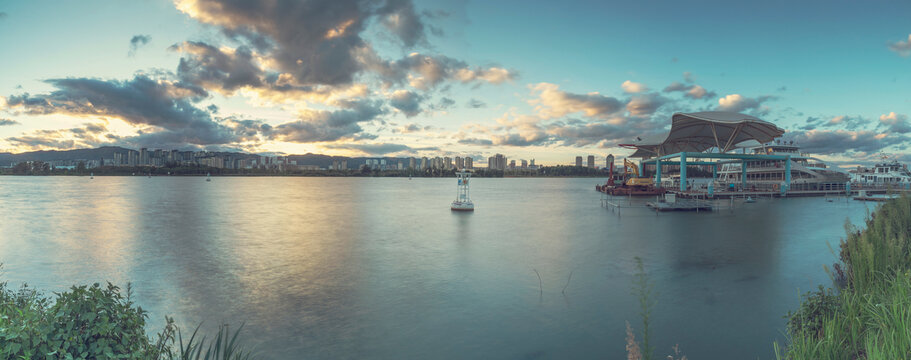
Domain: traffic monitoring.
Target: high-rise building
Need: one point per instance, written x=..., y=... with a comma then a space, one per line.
x=143, y=156
x=459, y=162
x=524, y=164
x=411, y=162
x=512, y=164
x=591, y=161
x=343, y=165
x=579, y=161
x=469, y=163
x=447, y=163
x=496, y=162
x=532, y=163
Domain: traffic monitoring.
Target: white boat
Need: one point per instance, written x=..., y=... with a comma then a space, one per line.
x=208, y=176
x=807, y=172
x=883, y=174
x=462, y=201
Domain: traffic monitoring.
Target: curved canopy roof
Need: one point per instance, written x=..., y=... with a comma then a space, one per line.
x=700, y=131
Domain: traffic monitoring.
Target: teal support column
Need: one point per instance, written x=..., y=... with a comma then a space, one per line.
x=743, y=174
x=714, y=172
x=787, y=173
x=641, y=167
x=657, y=173
x=683, y=171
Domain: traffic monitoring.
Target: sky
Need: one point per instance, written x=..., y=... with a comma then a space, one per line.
x=532, y=80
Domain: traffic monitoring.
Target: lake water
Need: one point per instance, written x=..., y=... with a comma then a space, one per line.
x=353, y=268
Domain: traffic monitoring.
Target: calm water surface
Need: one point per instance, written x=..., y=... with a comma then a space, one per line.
x=345, y=268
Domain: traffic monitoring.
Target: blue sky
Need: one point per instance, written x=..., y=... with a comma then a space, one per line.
x=539, y=80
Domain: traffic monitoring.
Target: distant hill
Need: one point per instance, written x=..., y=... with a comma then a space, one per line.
x=104, y=152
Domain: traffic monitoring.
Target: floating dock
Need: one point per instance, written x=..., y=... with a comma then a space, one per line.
x=680, y=205
x=672, y=203
x=776, y=194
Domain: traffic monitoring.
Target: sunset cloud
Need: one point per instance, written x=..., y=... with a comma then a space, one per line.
x=551, y=102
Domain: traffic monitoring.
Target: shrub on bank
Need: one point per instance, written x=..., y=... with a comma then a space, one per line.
x=867, y=313
x=96, y=322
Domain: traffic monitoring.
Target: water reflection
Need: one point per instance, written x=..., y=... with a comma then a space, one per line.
x=381, y=268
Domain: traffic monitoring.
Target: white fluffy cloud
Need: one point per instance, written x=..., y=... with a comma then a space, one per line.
x=633, y=87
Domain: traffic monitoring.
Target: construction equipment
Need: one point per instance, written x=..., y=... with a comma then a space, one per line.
x=635, y=180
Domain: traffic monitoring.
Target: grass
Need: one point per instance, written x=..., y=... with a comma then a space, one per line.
x=866, y=314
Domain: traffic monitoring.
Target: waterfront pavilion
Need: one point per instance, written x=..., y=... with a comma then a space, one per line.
x=707, y=137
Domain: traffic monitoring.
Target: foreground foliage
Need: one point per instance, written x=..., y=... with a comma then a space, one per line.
x=867, y=313
x=97, y=322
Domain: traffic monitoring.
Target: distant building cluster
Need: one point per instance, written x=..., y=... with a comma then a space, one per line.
x=436, y=163
x=590, y=162
x=499, y=162
x=159, y=157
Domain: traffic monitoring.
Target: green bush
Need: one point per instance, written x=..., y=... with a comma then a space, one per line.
x=96, y=322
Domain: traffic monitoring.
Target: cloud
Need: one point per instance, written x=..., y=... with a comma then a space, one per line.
x=828, y=142
x=901, y=47
x=476, y=104
x=214, y=68
x=399, y=17
x=408, y=102
x=323, y=125
x=320, y=42
x=411, y=128
x=137, y=41
x=163, y=110
x=315, y=50
x=739, y=103
x=426, y=72
x=645, y=105
x=552, y=102
x=379, y=149
x=688, y=77
x=443, y=104
x=314, y=42
x=896, y=123
x=633, y=87
x=8, y=122
x=690, y=91
x=89, y=135
x=476, y=141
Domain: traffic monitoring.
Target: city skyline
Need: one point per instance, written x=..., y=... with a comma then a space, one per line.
x=120, y=156
x=405, y=78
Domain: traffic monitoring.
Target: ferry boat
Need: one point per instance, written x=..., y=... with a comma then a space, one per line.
x=807, y=172
x=884, y=174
